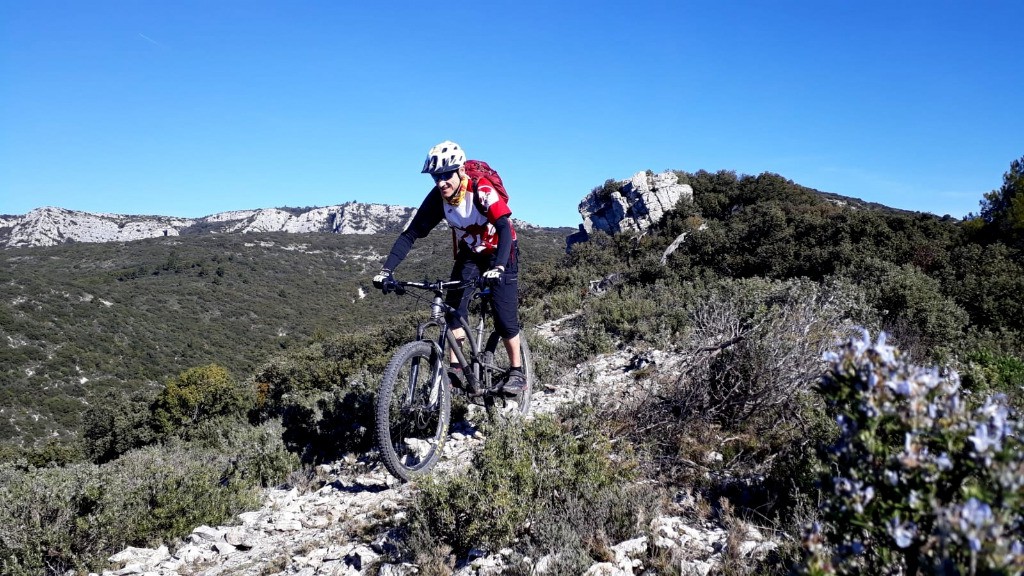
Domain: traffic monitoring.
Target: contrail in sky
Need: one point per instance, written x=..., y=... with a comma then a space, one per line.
x=148, y=39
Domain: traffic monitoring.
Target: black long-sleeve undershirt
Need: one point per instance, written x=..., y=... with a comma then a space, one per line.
x=428, y=216
x=504, y=228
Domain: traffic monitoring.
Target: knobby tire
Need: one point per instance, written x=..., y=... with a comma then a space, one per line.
x=410, y=432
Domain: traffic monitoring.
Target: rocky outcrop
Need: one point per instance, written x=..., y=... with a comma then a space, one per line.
x=638, y=203
x=51, y=226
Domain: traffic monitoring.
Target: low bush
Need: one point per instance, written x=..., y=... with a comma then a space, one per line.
x=115, y=424
x=739, y=419
x=911, y=307
x=259, y=454
x=50, y=454
x=555, y=486
x=74, y=517
x=323, y=393
x=652, y=313
x=752, y=347
x=990, y=370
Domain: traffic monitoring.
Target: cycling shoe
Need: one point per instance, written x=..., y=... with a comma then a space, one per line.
x=516, y=383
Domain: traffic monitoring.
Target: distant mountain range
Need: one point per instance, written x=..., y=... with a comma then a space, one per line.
x=51, y=226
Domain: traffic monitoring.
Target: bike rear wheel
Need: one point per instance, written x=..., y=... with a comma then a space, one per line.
x=413, y=407
x=518, y=405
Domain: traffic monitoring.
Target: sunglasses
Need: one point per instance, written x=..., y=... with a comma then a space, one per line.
x=443, y=177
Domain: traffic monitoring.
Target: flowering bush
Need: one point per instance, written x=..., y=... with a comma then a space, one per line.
x=923, y=477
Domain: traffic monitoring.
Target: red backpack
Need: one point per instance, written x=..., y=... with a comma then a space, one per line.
x=477, y=169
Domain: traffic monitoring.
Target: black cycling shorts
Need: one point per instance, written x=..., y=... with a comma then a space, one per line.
x=469, y=266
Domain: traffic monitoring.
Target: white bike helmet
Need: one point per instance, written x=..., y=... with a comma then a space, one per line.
x=445, y=157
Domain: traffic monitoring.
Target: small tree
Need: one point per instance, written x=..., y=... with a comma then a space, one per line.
x=113, y=426
x=1003, y=209
x=199, y=394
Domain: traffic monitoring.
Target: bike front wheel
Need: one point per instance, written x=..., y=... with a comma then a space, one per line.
x=413, y=407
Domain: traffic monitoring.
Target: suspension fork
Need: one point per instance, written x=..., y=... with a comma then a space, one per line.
x=480, y=329
x=476, y=341
x=480, y=344
x=438, y=346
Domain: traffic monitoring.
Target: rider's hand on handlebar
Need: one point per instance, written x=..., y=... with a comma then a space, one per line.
x=384, y=281
x=492, y=276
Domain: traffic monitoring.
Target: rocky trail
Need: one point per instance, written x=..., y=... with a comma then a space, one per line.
x=342, y=521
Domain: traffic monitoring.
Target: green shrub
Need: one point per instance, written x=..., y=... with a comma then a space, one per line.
x=988, y=371
x=653, y=313
x=323, y=392
x=555, y=485
x=52, y=453
x=605, y=191
x=74, y=517
x=913, y=308
x=551, y=359
x=988, y=282
x=590, y=339
x=259, y=454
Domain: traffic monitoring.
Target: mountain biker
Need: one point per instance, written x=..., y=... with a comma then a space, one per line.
x=487, y=248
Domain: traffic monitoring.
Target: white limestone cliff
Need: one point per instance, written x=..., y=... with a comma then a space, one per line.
x=637, y=204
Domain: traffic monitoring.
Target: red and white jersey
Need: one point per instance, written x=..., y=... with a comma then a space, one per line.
x=473, y=220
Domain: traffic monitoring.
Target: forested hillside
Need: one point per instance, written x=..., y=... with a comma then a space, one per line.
x=945, y=289
x=877, y=456
x=83, y=322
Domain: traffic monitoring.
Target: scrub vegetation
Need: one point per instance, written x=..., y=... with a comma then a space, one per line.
x=142, y=378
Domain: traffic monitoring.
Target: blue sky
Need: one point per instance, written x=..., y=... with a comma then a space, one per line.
x=188, y=108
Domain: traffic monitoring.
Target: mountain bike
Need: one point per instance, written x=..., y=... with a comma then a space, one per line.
x=414, y=402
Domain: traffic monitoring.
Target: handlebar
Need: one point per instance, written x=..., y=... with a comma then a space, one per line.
x=434, y=286
x=437, y=286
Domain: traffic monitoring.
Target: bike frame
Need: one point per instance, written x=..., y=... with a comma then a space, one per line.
x=446, y=337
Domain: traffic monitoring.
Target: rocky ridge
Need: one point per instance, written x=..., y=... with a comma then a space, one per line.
x=50, y=226
x=344, y=521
